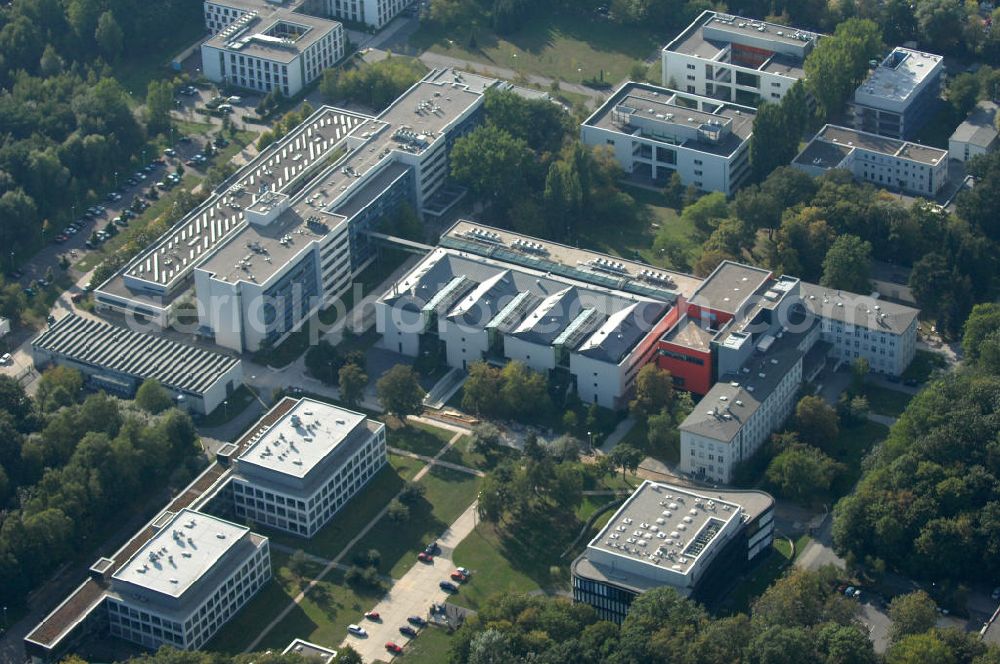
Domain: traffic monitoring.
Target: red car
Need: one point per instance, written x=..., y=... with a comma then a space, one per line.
x=373, y=615
x=425, y=557
x=394, y=648
x=458, y=576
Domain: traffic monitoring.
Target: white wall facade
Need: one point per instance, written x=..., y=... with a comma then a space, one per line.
x=886, y=352
x=463, y=344
x=690, y=74
x=899, y=172
x=964, y=150
x=534, y=356
x=375, y=13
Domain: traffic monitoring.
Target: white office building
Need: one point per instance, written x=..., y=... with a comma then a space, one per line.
x=488, y=294
x=265, y=50
x=860, y=326
x=306, y=466
x=186, y=581
x=667, y=535
x=884, y=162
x=977, y=134
x=736, y=59
x=655, y=132
x=286, y=234
x=375, y=13
x=900, y=94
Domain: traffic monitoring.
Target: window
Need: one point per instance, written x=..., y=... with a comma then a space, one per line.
x=691, y=67
x=610, y=141
x=690, y=77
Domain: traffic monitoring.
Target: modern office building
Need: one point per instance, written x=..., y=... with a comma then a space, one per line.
x=285, y=235
x=885, y=162
x=375, y=13
x=306, y=466
x=736, y=59
x=899, y=95
x=666, y=535
x=655, y=132
x=187, y=581
x=117, y=360
x=488, y=294
x=977, y=134
x=858, y=326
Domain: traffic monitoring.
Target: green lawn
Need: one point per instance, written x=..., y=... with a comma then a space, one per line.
x=570, y=46
x=419, y=438
x=431, y=647
x=923, y=365
x=449, y=493
x=492, y=572
x=885, y=401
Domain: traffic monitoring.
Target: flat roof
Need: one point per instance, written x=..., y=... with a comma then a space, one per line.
x=310, y=651
x=711, y=35
x=862, y=310
x=689, y=333
x=110, y=347
x=729, y=285
x=303, y=437
x=884, y=145
x=898, y=75
x=665, y=526
x=258, y=33
x=181, y=553
x=822, y=154
x=727, y=406
x=980, y=128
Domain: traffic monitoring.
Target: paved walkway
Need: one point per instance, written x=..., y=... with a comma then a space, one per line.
x=881, y=419
x=335, y=562
x=413, y=594
x=617, y=435
x=435, y=462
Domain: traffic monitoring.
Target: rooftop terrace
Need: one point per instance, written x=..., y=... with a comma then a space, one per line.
x=278, y=34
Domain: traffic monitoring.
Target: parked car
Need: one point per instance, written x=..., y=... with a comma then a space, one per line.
x=425, y=557
x=448, y=586
x=465, y=571
x=357, y=630
x=416, y=620
x=408, y=631
x=394, y=648
x=432, y=548
x=373, y=615
x=6, y=359
x=458, y=576
x=170, y=152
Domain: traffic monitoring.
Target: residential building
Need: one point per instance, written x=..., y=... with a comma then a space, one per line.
x=900, y=94
x=286, y=234
x=271, y=49
x=194, y=574
x=736, y=59
x=977, y=134
x=667, y=535
x=857, y=326
x=117, y=360
x=307, y=466
x=488, y=294
x=885, y=162
x=655, y=132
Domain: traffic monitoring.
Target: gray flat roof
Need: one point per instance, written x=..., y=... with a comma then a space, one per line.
x=303, y=437
x=980, y=127
x=821, y=154
x=727, y=29
x=729, y=285
x=119, y=349
x=726, y=407
x=863, y=310
x=881, y=144
x=249, y=34
x=690, y=334
x=898, y=75
x=181, y=553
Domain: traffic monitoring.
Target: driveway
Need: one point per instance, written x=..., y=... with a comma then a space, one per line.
x=412, y=595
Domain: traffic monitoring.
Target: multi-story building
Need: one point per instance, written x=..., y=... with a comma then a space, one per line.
x=655, y=132
x=265, y=50
x=306, y=466
x=488, y=294
x=885, y=162
x=736, y=59
x=858, y=326
x=977, y=134
x=375, y=13
x=899, y=95
x=186, y=581
x=286, y=234
x=666, y=535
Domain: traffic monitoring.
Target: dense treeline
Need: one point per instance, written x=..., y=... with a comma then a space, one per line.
x=67, y=469
x=799, y=619
x=167, y=655
x=929, y=503
x=375, y=84
x=65, y=124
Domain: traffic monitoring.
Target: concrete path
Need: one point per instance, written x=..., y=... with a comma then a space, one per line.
x=413, y=594
x=617, y=435
x=881, y=419
x=332, y=564
x=435, y=462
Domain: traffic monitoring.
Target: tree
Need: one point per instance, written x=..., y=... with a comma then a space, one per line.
x=352, y=382
x=481, y=391
x=59, y=386
x=324, y=362
x=399, y=391
x=941, y=23
x=524, y=392
x=486, y=439
x=298, y=564
x=962, y=93
x=493, y=164
x=839, y=62
x=654, y=392
x=347, y=655
x=913, y=613
x=775, y=139
x=673, y=190
x=152, y=397
x=411, y=493
x=397, y=511
x=109, y=36
x=816, y=422
x=981, y=323
x=920, y=649
x=801, y=473
x=627, y=457
x=847, y=265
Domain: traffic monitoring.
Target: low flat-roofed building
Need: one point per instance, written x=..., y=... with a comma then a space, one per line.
x=736, y=59
x=117, y=360
x=488, y=294
x=885, y=162
x=306, y=466
x=977, y=134
x=656, y=131
x=186, y=581
x=900, y=94
x=310, y=651
x=666, y=535
x=862, y=326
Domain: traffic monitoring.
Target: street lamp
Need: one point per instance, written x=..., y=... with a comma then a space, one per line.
x=116, y=179
x=225, y=404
